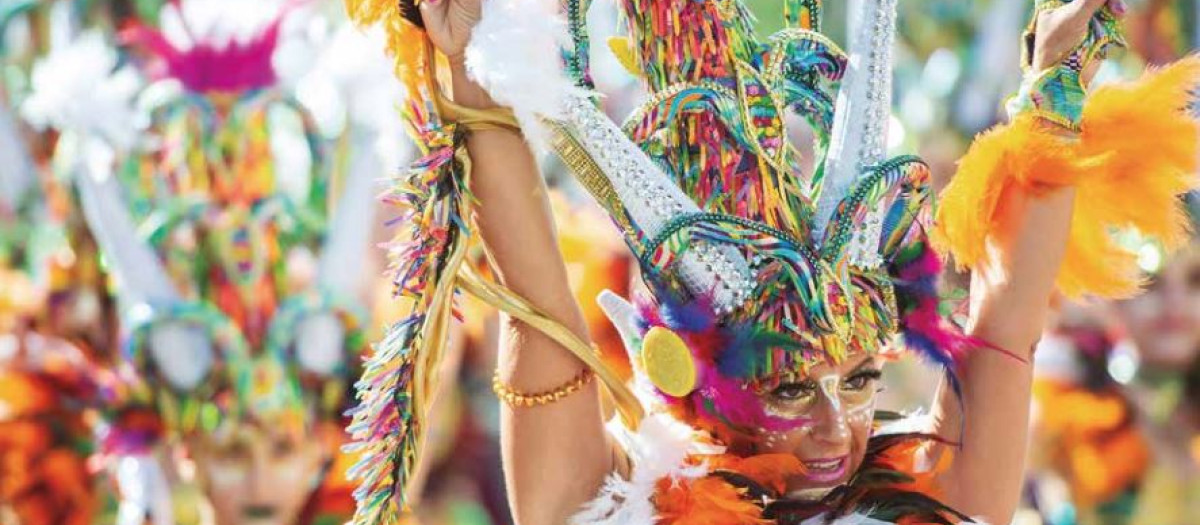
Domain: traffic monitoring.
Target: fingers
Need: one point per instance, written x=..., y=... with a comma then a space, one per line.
x=433, y=12
x=1083, y=10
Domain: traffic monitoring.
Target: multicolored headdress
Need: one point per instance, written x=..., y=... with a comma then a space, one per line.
x=804, y=267
x=237, y=272
x=757, y=270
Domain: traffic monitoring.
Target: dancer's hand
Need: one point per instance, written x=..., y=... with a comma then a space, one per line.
x=1060, y=30
x=449, y=23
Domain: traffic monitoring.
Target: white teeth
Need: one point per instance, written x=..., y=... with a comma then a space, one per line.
x=824, y=465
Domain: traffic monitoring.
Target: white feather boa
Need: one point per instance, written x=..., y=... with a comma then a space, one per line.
x=515, y=54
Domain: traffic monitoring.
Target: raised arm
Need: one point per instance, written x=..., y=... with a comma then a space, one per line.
x=1010, y=296
x=555, y=455
x=1031, y=209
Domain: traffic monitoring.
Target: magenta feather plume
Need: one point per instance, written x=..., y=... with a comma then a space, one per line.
x=209, y=66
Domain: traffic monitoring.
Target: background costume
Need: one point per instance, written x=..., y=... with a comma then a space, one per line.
x=237, y=228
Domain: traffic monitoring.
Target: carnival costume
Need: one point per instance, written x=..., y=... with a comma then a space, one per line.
x=756, y=272
x=239, y=274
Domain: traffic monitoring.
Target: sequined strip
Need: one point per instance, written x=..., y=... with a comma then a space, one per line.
x=651, y=199
x=577, y=159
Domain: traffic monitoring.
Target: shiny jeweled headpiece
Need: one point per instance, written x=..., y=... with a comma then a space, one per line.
x=756, y=269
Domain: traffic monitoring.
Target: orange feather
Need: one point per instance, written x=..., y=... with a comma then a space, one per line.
x=1136, y=153
x=704, y=501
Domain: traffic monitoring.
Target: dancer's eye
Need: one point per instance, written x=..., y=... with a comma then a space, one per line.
x=1193, y=279
x=802, y=391
x=860, y=380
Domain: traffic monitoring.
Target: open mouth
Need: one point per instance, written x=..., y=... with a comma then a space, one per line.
x=826, y=470
x=258, y=512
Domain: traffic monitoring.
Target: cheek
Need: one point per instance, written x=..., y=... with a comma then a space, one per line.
x=855, y=425
x=293, y=477
x=1193, y=309
x=291, y=469
x=226, y=476
x=861, y=427
x=1140, y=312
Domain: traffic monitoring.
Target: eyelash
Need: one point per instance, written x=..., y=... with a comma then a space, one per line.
x=809, y=387
x=865, y=375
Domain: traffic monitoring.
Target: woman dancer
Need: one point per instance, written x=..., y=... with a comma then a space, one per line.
x=774, y=297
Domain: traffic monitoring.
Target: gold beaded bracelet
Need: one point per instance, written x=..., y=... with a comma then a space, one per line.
x=516, y=399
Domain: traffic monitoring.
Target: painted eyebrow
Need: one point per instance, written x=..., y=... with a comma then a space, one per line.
x=859, y=367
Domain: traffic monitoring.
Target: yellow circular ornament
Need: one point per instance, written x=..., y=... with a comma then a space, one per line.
x=668, y=362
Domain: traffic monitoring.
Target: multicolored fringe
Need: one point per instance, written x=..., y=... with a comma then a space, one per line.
x=387, y=425
x=715, y=118
x=1136, y=154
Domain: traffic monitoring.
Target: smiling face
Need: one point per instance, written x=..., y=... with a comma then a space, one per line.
x=258, y=476
x=839, y=403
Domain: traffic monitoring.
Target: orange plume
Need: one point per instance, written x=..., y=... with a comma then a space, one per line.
x=704, y=501
x=1136, y=153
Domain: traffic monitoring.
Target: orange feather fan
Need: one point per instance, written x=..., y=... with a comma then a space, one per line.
x=1136, y=153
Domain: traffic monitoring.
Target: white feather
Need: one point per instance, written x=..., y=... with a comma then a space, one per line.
x=657, y=450
x=79, y=89
x=145, y=491
x=918, y=421
x=351, y=84
x=220, y=22
x=515, y=54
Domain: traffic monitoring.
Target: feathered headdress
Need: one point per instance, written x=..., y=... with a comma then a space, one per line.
x=236, y=271
x=757, y=270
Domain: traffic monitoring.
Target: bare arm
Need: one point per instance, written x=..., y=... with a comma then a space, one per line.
x=1010, y=300
x=555, y=456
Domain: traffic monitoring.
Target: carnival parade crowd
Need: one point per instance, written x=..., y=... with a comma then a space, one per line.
x=644, y=262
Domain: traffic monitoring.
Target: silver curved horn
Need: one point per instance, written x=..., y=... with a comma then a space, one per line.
x=652, y=200
x=181, y=352
x=623, y=317
x=319, y=347
x=863, y=108
x=138, y=270
x=346, y=243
